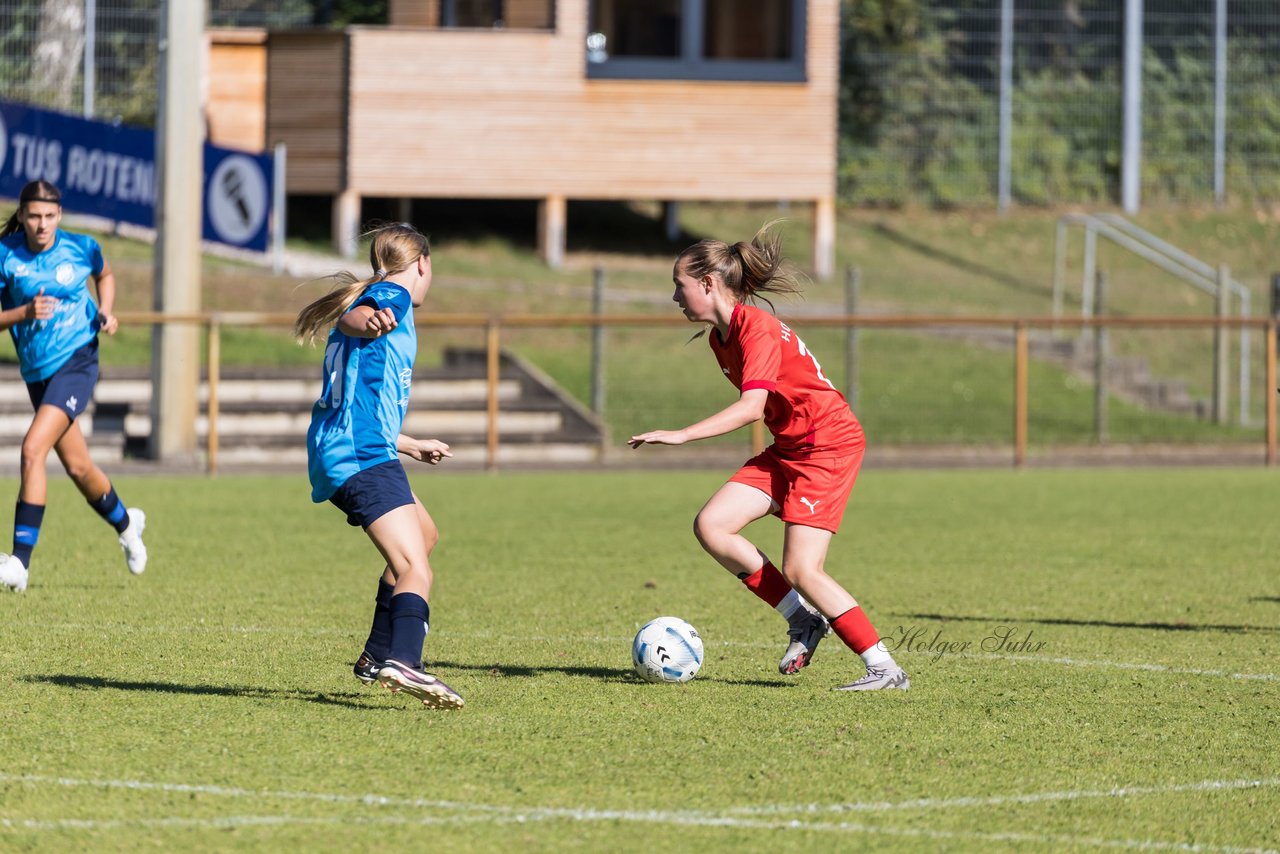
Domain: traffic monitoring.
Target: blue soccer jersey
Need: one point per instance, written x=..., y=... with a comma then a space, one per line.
x=355, y=423
x=61, y=271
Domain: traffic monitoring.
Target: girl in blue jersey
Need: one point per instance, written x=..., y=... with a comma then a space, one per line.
x=354, y=442
x=55, y=323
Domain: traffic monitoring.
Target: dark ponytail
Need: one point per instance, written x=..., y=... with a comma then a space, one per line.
x=35, y=191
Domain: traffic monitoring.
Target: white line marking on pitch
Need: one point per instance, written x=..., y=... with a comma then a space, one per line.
x=679, y=819
x=626, y=641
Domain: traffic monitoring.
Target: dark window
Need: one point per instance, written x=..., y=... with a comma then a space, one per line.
x=697, y=39
x=471, y=13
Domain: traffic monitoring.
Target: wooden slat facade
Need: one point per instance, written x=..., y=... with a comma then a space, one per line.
x=307, y=108
x=420, y=112
x=236, y=109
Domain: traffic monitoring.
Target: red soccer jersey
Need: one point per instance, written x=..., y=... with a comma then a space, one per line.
x=806, y=414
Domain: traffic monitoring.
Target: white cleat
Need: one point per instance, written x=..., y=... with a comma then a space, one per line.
x=135, y=552
x=13, y=575
x=878, y=678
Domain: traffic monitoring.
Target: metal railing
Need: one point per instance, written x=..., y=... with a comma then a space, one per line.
x=494, y=327
x=1216, y=282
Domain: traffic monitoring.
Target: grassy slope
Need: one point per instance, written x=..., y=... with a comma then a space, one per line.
x=912, y=262
x=226, y=665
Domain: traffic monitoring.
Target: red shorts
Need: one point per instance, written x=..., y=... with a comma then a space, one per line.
x=809, y=492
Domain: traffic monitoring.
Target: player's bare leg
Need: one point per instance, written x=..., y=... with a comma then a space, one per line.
x=803, y=565
x=93, y=483
x=402, y=539
x=718, y=528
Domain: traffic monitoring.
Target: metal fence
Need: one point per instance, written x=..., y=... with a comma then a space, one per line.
x=991, y=101
x=950, y=102
x=927, y=388
x=97, y=58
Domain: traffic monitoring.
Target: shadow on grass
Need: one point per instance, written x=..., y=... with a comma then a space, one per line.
x=1275, y=599
x=1112, y=624
x=63, y=680
x=995, y=274
x=605, y=674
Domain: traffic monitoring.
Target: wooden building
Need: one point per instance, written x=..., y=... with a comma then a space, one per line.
x=551, y=100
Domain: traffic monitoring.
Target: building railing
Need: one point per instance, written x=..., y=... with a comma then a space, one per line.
x=495, y=325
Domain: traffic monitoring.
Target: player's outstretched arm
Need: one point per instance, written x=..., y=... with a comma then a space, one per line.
x=740, y=413
x=429, y=451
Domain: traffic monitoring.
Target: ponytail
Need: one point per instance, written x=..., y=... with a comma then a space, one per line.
x=394, y=247
x=750, y=269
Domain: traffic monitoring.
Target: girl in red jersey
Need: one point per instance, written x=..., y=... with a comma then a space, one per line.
x=804, y=477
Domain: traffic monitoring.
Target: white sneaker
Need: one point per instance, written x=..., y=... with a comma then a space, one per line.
x=135, y=553
x=13, y=575
x=878, y=678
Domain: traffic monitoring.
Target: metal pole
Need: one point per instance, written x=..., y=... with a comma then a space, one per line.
x=1220, y=102
x=597, y=343
x=1090, y=267
x=1006, y=104
x=1271, y=392
x=852, y=283
x=1131, y=146
x=1020, y=356
x=1245, y=345
x=90, y=55
x=1059, y=266
x=278, y=208
x=175, y=347
x=1221, y=342
x=214, y=406
x=493, y=365
x=1100, y=354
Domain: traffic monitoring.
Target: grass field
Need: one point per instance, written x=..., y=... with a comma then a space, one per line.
x=209, y=705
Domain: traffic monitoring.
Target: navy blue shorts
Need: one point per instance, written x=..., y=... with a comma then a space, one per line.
x=71, y=386
x=368, y=495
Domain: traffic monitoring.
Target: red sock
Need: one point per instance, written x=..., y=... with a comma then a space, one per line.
x=768, y=584
x=855, y=630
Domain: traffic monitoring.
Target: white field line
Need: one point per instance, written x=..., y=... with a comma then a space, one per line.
x=626, y=641
x=232, y=822
x=479, y=813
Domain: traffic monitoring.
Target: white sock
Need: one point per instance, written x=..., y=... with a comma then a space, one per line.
x=790, y=603
x=877, y=656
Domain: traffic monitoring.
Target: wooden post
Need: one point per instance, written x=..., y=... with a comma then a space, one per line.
x=824, y=237
x=346, y=223
x=852, y=283
x=1020, y=351
x=552, y=216
x=1100, y=355
x=1271, y=392
x=597, y=342
x=1221, y=343
x=493, y=363
x=215, y=372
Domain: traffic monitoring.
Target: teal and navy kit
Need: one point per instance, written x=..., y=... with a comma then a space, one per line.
x=360, y=413
x=61, y=271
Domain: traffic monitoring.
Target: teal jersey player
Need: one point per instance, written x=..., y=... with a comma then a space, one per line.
x=60, y=272
x=355, y=423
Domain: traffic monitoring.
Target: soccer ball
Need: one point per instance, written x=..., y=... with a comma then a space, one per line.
x=667, y=650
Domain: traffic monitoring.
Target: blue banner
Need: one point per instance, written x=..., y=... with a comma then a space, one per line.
x=108, y=170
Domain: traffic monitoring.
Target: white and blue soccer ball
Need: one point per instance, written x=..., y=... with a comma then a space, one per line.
x=667, y=650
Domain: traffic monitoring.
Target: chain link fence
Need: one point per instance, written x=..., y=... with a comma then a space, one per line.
x=923, y=97
x=97, y=58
